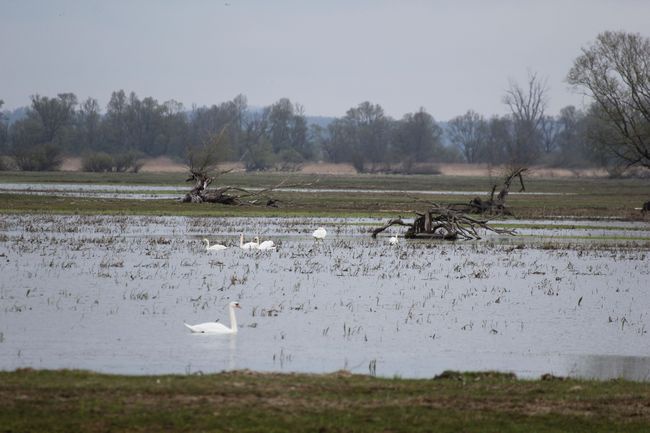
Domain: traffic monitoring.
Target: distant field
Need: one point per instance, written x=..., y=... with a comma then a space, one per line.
x=362, y=195
x=61, y=401
x=168, y=165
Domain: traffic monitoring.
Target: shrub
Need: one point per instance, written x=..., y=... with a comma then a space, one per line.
x=290, y=160
x=260, y=156
x=44, y=157
x=126, y=161
x=97, y=162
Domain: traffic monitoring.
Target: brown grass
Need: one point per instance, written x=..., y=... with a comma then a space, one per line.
x=164, y=164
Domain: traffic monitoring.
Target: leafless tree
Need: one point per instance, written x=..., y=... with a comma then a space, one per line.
x=527, y=106
x=469, y=133
x=615, y=72
x=496, y=205
x=550, y=130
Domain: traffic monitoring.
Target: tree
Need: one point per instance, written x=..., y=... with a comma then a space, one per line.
x=54, y=114
x=228, y=117
x=572, y=138
x=114, y=126
x=87, y=127
x=3, y=132
x=338, y=141
x=361, y=137
x=527, y=106
x=287, y=131
x=615, y=72
x=549, y=130
x=469, y=133
x=499, y=140
x=417, y=138
x=258, y=154
x=37, y=140
x=175, y=128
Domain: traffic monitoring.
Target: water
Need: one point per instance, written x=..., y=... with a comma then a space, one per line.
x=110, y=294
x=152, y=192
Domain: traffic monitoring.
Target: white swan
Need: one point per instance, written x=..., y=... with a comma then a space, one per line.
x=266, y=245
x=217, y=328
x=247, y=245
x=393, y=240
x=319, y=233
x=216, y=247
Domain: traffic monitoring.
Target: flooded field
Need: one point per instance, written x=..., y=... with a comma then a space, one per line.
x=111, y=294
x=170, y=192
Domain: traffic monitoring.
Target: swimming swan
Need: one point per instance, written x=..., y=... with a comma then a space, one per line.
x=248, y=245
x=217, y=328
x=393, y=240
x=266, y=245
x=319, y=233
x=216, y=247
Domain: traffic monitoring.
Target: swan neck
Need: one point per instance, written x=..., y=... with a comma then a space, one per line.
x=241, y=244
x=233, y=320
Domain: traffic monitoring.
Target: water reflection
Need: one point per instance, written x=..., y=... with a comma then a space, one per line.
x=635, y=368
x=215, y=352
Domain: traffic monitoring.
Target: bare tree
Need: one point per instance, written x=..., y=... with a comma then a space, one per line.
x=496, y=205
x=527, y=106
x=550, y=129
x=615, y=72
x=469, y=133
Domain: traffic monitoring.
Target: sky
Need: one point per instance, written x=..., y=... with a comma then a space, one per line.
x=445, y=56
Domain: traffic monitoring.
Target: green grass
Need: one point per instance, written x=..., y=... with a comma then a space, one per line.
x=61, y=401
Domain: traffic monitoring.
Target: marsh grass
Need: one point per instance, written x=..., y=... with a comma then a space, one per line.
x=251, y=402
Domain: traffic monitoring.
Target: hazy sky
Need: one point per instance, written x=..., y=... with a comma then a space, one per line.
x=446, y=56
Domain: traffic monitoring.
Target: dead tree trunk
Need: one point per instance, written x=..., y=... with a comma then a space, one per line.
x=646, y=207
x=440, y=222
x=497, y=205
x=230, y=195
x=201, y=194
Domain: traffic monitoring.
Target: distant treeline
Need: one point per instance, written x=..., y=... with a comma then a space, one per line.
x=281, y=136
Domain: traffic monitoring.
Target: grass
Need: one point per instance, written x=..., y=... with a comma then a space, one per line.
x=61, y=401
x=359, y=181
x=58, y=401
x=343, y=204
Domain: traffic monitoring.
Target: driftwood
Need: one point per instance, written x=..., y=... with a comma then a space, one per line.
x=442, y=222
x=495, y=205
x=201, y=194
x=230, y=195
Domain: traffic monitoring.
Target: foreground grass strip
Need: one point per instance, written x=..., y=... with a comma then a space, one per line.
x=58, y=401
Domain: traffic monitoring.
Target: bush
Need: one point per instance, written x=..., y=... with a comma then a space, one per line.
x=126, y=161
x=290, y=160
x=97, y=162
x=260, y=156
x=44, y=157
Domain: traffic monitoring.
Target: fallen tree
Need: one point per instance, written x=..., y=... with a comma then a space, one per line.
x=231, y=195
x=203, y=160
x=495, y=205
x=442, y=222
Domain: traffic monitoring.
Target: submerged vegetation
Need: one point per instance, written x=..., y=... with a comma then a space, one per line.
x=544, y=264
